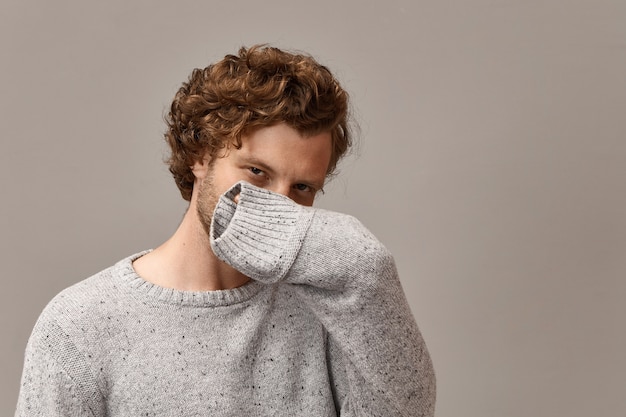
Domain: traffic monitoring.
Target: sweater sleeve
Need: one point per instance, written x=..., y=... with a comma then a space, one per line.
x=56, y=380
x=349, y=280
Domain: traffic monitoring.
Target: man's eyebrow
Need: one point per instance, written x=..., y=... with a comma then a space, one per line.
x=253, y=160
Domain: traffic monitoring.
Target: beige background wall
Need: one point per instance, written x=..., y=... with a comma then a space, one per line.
x=493, y=164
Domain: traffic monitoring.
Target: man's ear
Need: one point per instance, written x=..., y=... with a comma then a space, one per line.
x=200, y=168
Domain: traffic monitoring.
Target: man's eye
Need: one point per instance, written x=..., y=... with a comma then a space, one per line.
x=303, y=187
x=255, y=171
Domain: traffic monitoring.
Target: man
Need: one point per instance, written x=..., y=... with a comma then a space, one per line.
x=259, y=304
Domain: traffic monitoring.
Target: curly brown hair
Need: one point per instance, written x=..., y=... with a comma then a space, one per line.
x=261, y=86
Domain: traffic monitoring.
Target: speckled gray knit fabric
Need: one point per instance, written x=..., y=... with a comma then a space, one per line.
x=323, y=329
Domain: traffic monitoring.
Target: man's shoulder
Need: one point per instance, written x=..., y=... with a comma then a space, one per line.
x=87, y=302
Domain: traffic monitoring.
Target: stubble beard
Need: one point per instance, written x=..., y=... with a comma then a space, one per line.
x=207, y=200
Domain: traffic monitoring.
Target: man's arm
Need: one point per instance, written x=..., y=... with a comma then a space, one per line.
x=348, y=279
x=56, y=380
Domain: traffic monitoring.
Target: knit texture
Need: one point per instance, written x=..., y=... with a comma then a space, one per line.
x=323, y=329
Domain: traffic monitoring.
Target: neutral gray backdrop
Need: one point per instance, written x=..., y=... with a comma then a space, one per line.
x=492, y=164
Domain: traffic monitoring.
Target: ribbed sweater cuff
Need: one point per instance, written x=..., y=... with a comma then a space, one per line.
x=261, y=234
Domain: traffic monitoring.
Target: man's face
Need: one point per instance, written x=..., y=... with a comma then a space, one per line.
x=276, y=158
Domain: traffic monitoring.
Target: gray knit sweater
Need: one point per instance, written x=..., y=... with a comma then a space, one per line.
x=322, y=329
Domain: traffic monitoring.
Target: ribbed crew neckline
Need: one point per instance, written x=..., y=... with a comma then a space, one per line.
x=154, y=292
